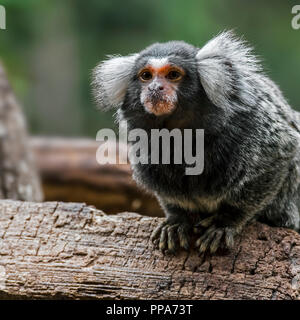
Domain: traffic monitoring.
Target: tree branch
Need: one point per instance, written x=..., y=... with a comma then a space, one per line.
x=69, y=250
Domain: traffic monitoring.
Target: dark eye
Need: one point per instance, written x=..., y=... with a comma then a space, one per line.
x=174, y=75
x=146, y=76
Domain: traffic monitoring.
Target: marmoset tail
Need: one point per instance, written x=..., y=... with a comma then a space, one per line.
x=251, y=137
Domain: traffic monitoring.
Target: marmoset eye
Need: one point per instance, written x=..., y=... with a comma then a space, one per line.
x=146, y=76
x=174, y=75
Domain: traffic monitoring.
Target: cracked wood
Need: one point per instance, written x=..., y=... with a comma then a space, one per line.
x=70, y=250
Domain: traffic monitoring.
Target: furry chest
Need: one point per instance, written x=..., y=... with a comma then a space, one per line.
x=203, y=204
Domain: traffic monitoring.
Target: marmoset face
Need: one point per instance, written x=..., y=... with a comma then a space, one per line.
x=159, y=80
x=163, y=71
x=162, y=80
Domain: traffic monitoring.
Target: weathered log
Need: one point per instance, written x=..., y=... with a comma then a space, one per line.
x=18, y=176
x=70, y=250
x=70, y=173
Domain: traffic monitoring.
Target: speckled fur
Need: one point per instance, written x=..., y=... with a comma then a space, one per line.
x=252, y=140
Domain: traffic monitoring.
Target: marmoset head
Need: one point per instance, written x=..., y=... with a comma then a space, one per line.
x=153, y=79
x=161, y=72
x=171, y=76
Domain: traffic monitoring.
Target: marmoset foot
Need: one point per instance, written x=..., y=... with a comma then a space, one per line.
x=216, y=237
x=171, y=235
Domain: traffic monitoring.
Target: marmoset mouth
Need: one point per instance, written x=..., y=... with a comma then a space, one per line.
x=160, y=107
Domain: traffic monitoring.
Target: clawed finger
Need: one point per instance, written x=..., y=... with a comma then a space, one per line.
x=183, y=237
x=163, y=239
x=156, y=233
x=171, y=236
x=213, y=238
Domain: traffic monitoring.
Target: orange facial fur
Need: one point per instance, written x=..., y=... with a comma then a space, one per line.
x=161, y=71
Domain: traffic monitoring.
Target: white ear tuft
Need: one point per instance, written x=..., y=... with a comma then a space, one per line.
x=226, y=64
x=110, y=80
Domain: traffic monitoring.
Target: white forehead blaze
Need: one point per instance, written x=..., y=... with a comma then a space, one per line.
x=158, y=62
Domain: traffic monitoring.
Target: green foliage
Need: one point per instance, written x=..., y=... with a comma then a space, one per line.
x=77, y=34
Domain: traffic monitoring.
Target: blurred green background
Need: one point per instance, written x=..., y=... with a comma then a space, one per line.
x=50, y=48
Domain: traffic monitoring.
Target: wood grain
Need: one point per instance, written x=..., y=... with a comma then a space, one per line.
x=59, y=250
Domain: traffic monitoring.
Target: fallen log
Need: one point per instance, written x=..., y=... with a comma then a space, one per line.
x=56, y=250
x=70, y=173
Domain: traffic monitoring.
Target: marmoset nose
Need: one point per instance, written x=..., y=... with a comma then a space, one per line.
x=155, y=87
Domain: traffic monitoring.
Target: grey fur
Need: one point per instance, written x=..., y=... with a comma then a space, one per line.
x=214, y=64
x=110, y=80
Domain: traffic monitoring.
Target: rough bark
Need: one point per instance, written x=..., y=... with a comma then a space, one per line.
x=70, y=173
x=18, y=177
x=59, y=250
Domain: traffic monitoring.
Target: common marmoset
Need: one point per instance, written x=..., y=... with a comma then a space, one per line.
x=251, y=137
